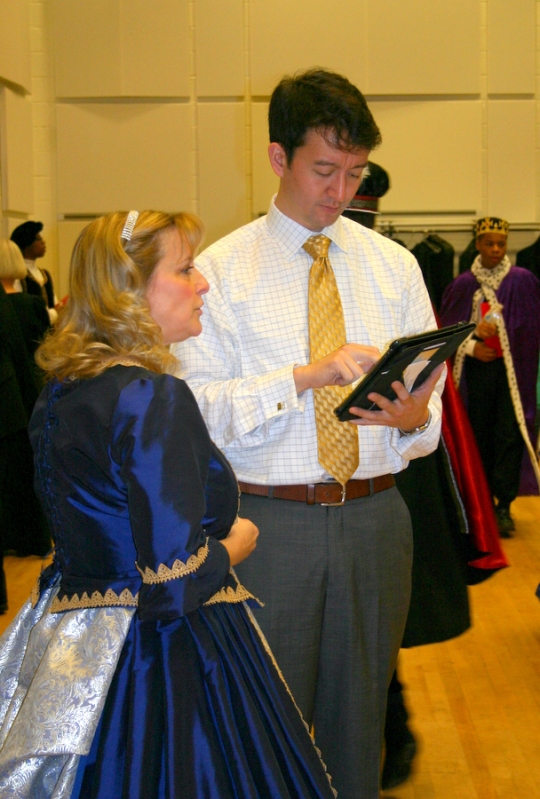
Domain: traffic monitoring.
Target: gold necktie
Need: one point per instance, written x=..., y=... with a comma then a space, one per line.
x=337, y=442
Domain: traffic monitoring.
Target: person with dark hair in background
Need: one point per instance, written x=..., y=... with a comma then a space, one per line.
x=499, y=361
x=364, y=206
x=30, y=309
x=292, y=295
x=37, y=281
x=19, y=392
x=24, y=530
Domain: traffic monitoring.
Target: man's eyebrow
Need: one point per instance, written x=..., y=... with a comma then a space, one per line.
x=323, y=162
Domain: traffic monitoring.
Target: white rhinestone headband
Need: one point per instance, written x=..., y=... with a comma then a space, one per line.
x=127, y=232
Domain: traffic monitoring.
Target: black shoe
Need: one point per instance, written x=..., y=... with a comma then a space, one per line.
x=505, y=523
x=398, y=764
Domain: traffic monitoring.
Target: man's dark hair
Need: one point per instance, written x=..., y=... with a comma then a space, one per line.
x=323, y=101
x=25, y=235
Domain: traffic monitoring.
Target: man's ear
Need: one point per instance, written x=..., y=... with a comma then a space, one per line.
x=476, y=243
x=278, y=158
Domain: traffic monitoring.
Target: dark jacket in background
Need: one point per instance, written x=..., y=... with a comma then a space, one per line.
x=436, y=259
x=467, y=257
x=33, y=319
x=529, y=258
x=46, y=292
x=23, y=527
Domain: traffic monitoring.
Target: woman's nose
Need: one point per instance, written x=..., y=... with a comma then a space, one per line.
x=204, y=285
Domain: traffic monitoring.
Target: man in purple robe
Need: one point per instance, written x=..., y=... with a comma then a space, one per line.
x=499, y=361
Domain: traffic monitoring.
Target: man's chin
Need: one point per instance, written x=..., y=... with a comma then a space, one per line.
x=329, y=216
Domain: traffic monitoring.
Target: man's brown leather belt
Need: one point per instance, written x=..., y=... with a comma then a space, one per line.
x=322, y=493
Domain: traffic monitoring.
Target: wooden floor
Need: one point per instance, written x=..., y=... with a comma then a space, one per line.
x=474, y=701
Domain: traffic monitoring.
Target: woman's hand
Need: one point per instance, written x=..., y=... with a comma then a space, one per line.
x=241, y=541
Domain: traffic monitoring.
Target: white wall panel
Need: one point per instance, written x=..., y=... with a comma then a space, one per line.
x=122, y=156
x=511, y=46
x=511, y=159
x=423, y=47
x=220, y=50
x=222, y=168
x=288, y=35
x=87, y=48
x=68, y=233
x=17, y=152
x=265, y=181
x=114, y=48
x=15, y=42
x=155, y=48
x=433, y=153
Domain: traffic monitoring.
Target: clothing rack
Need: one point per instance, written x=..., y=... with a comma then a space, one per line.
x=387, y=224
x=457, y=234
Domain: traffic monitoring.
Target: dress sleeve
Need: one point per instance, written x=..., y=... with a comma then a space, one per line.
x=162, y=449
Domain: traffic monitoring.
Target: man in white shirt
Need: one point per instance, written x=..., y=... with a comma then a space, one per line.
x=28, y=238
x=333, y=563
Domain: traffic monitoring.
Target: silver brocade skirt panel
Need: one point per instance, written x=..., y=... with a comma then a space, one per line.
x=55, y=672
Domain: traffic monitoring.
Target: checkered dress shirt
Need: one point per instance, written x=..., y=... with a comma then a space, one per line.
x=255, y=331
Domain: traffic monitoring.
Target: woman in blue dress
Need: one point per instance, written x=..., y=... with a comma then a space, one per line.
x=137, y=671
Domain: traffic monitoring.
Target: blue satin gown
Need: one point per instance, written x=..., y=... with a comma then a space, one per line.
x=138, y=672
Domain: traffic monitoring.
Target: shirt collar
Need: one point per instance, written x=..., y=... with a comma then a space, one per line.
x=292, y=236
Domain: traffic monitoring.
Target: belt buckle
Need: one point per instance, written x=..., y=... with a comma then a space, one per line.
x=336, y=504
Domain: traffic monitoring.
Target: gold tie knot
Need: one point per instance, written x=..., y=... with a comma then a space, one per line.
x=317, y=246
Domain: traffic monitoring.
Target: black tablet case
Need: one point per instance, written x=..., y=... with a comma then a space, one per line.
x=401, y=354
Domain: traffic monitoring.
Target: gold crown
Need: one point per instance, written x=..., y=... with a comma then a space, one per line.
x=491, y=224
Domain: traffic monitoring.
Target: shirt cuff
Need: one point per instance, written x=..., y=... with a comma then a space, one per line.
x=278, y=393
x=418, y=444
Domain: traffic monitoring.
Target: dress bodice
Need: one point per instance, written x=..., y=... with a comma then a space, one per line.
x=136, y=492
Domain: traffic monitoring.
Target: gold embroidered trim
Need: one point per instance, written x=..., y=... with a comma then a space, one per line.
x=179, y=569
x=126, y=361
x=34, y=593
x=97, y=600
x=229, y=594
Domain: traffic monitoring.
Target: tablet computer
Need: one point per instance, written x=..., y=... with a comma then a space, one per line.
x=409, y=360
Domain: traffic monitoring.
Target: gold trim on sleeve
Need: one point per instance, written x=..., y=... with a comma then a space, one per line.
x=97, y=600
x=231, y=595
x=179, y=569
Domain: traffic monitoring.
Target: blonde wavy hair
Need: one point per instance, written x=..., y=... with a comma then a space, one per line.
x=12, y=265
x=107, y=316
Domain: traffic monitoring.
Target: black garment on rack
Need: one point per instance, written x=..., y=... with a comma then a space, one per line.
x=529, y=258
x=436, y=259
x=466, y=259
